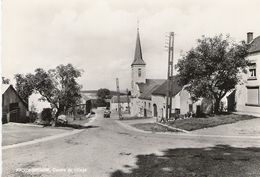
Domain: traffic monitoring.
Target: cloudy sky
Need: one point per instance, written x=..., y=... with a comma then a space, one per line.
x=98, y=36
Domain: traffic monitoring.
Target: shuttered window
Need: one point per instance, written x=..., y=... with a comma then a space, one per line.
x=253, y=95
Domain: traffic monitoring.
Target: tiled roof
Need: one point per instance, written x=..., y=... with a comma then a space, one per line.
x=255, y=45
x=138, y=58
x=123, y=99
x=162, y=89
x=148, y=87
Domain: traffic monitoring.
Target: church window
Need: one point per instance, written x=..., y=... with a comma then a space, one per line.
x=139, y=72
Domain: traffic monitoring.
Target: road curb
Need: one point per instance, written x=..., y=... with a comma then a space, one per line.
x=172, y=128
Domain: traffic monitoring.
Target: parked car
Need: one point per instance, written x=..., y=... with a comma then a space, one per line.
x=62, y=120
x=107, y=113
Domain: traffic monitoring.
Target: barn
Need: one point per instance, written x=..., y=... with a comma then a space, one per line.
x=14, y=108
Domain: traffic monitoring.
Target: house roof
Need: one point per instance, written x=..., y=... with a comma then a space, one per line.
x=255, y=45
x=5, y=87
x=162, y=89
x=148, y=87
x=123, y=99
x=138, y=58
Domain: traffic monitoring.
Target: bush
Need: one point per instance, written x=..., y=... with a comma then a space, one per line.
x=46, y=114
x=33, y=116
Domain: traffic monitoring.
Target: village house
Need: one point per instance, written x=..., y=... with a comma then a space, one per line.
x=181, y=101
x=124, y=102
x=247, y=96
x=14, y=108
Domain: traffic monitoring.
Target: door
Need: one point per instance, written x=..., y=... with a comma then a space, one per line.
x=155, y=113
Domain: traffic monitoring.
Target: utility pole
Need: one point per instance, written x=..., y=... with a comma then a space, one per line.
x=170, y=76
x=118, y=99
x=128, y=105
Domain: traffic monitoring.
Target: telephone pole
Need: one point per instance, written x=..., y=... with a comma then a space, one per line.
x=170, y=76
x=118, y=99
x=128, y=105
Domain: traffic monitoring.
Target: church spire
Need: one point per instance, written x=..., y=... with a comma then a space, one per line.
x=138, y=58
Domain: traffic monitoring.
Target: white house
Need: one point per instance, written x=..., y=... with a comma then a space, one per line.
x=181, y=101
x=247, y=97
x=124, y=101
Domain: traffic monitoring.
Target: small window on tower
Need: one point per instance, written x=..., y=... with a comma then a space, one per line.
x=139, y=72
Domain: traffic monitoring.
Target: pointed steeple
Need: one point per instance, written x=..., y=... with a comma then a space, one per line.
x=138, y=58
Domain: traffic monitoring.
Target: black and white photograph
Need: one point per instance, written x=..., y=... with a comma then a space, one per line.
x=130, y=88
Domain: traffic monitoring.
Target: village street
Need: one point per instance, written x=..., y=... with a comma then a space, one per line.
x=109, y=149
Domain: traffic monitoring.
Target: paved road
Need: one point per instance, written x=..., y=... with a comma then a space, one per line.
x=100, y=150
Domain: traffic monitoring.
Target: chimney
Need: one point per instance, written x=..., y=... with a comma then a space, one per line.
x=249, y=37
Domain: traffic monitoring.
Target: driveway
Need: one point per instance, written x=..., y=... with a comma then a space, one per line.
x=109, y=149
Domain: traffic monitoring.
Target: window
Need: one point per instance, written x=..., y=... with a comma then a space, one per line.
x=149, y=106
x=139, y=72
x=253, y=95
x=252, y=71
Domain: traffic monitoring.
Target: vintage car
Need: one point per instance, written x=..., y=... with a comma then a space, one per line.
x=107, y=113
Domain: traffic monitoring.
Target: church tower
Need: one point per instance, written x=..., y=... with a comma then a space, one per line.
x=138, y=65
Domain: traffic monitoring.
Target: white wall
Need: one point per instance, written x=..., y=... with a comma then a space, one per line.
x=135, y=77
x=114, y=106
x=39, y=105
x=160, y=102
x=180, y=101
x=241, y=90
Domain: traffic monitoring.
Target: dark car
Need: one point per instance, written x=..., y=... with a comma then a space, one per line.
x=107, y=113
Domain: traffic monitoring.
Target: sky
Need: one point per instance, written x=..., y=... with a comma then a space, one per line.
x=98, y=36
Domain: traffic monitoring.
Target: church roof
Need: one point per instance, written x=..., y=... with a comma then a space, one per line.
x=255, y=45
x=138, y=58
x=148, y=87
x=162, y=89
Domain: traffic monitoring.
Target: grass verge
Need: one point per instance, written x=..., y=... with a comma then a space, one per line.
x=153, y=127
x=199, y=123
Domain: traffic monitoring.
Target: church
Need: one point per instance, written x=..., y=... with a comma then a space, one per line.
x=148, y=96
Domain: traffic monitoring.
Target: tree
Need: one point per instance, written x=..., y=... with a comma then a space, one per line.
x=5, y=80
x=103, y=93
x=57, y=86
x=24, y=85
x=212, y=69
